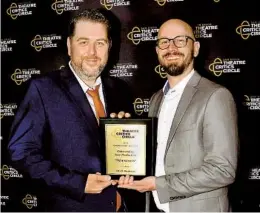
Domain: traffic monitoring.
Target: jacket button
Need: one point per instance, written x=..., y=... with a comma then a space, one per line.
x=112, y=202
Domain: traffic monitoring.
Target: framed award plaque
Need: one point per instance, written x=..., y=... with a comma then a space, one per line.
x=128, y=146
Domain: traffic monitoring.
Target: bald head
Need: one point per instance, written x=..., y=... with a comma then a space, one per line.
x=175, y=27
x=176, y=48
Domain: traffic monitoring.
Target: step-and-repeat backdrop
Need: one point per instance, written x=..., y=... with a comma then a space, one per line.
x=33, y=41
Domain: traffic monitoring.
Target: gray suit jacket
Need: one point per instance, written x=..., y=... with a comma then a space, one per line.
x=201, y=154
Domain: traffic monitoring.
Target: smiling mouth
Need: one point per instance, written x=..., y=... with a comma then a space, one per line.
x=91, y=61
x=172, y=57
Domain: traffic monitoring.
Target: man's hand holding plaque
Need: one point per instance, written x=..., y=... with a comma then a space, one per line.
x=144, y=185
x=121, y=114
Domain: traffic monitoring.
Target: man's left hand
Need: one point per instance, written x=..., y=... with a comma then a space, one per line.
x=144, y=185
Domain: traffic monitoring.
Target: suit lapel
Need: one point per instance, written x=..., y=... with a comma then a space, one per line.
x=75, y=92
x=185, y=100
x=157, y=104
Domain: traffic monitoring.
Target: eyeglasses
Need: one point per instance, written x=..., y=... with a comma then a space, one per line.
x=178, y=41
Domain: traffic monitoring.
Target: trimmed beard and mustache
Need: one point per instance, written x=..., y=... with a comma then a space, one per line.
x=79, y=68
x=173, y=69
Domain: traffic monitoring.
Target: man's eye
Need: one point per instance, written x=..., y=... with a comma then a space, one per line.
x=180, y=40
x=164, y=42
x=83, y=42
x=100, y=43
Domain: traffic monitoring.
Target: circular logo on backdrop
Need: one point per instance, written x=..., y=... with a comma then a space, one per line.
x=134, y=35
x=139, y=34
x=59, y=6
x=9, y=172
x=36, y=43
x=141, y=105
x=109, y=4
x=14, y=77
x=104, y=3
x=226, y=65
x=161, y=2
x=247, y=29
x=12, y=11
x=239, y=30
x=213, y=67
x=30, y=201
x=21, y=75
x=20, y=9
x=160, y=70
x=40, y=42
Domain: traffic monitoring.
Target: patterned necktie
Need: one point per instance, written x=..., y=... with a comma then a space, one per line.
x=100, y=112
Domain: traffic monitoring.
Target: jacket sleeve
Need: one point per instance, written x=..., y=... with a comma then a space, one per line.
x=26, y=147
x=220, y=142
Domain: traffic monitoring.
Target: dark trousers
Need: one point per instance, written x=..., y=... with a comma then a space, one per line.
x=123, y=207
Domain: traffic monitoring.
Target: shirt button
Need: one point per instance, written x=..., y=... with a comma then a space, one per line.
x=171, y=198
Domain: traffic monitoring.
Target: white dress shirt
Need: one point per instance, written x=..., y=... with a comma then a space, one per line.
x=169, y=105
x=86, y=87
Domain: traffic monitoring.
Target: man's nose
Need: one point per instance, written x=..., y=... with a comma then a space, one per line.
x=172, y=45
x=92, y=49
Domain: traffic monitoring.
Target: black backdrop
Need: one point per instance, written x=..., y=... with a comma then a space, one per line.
x=33, y=41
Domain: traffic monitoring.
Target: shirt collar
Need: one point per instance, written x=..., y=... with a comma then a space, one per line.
x=82, y=84
x=180, y=86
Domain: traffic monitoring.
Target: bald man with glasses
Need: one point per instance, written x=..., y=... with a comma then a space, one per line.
x=197, y=138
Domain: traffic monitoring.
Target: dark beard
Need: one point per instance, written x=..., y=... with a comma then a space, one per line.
x=174, y=70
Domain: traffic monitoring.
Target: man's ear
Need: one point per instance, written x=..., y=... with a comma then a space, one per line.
x=157, y=49
x=69, y=46
x=196, y=46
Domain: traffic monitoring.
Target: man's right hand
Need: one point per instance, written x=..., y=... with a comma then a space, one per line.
x=121, y=114
x=97, y=182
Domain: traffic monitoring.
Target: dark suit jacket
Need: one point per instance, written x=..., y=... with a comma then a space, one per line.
x=55, y=138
